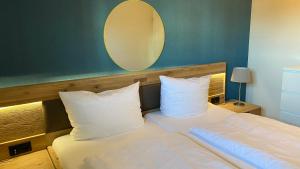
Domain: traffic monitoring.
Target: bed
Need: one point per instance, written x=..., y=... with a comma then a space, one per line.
x=244, y=139
x=148, y=147
x=210, y=140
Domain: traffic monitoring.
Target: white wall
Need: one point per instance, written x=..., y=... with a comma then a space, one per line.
x=274, y=44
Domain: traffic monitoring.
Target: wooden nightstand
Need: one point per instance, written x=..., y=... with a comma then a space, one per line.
x=36, y=160
x=248, y=108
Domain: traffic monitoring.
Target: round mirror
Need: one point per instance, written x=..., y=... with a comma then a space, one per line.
x=134, y=35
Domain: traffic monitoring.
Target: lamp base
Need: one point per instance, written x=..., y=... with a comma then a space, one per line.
x=239, y=104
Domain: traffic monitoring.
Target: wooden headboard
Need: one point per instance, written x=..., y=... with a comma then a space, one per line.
x=49, y=91
x=56, y=121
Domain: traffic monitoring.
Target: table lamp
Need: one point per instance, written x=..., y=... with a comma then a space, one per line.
x=240, y=75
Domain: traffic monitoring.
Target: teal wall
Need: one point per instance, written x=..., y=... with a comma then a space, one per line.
x=50, y=40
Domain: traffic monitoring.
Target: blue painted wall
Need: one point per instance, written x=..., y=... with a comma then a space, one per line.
x=49, y=40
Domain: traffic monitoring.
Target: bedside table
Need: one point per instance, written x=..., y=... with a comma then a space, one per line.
x=248, y=108
x=36, y=160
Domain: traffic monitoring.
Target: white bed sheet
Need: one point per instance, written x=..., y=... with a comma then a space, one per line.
x=149, y=147
x=260, y=141
x=271, y=137
x=214, y=115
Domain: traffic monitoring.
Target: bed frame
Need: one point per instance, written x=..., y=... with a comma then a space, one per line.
x=54, y=158
x=57, y=122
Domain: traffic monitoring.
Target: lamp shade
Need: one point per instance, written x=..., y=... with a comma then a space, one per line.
x=241, y=75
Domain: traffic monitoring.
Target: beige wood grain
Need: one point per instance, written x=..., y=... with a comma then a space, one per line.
x=48, y=91
x=54, y=158
x=38, y=142
x=21, y=121
x=248, y=108
x=37, y=160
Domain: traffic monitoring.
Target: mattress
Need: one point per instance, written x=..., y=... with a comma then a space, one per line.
x=260, y=141
x=148, y=147
x=213, y=115
x=247, y=140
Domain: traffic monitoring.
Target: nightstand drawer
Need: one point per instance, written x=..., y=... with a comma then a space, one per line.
x=291, y=81
x=290, y=102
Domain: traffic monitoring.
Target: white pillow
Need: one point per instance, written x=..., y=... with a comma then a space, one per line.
x=184, y=97
x=104, y=114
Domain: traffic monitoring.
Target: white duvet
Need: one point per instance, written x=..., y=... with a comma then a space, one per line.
x=259, y=141
x=146, y=148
